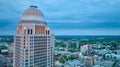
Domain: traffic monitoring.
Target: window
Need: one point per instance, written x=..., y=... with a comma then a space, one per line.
x=28, y=31
x=24, y=30
x=31, y=31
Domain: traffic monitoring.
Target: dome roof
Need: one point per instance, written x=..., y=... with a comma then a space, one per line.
x=33, y=13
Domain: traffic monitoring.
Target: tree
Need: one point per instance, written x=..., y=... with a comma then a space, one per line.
x=62, y=60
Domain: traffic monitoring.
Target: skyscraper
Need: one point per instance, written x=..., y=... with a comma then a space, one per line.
x=33, y=42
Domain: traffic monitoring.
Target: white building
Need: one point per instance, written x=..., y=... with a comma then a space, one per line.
x=33, y=42
x=77, y=44
x=86, y=49
x=10, y=48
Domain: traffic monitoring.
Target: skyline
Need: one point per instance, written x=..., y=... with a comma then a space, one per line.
x=93, y=17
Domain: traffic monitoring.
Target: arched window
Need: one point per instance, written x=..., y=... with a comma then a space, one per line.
x=24, y=30
x=28, y=31
x=31, y=31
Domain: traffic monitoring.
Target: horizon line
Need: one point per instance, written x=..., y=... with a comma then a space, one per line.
x=73, y=35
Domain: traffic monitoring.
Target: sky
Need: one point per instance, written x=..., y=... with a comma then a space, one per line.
x=65, y=17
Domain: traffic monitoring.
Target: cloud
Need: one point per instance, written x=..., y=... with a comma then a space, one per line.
x=86, y=26
x=65, y=14
x=85, y=32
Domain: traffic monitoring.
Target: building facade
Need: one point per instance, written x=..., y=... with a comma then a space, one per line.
x=33, y=43
x=86, y=49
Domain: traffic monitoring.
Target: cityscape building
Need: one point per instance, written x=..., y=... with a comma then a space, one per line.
x=33, y=43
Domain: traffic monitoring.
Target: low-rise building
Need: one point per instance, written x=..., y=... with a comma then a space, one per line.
x=104, y=63
x=86, y=49
x=74, y=63
x=90, y=61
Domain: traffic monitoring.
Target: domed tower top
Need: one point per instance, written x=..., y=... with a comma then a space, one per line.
x=32, y=22
x=33, y=13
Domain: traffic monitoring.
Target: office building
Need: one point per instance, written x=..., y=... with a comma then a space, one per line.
x=33, y=43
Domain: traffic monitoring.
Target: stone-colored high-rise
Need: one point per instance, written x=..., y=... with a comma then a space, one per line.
x=33, y=43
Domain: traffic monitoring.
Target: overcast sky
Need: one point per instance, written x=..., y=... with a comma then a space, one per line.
x=65, y=17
